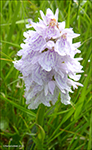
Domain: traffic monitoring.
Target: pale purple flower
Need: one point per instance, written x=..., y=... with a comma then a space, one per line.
x=47, y=64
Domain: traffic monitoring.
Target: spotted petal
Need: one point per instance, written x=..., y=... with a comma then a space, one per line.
x=47, y=60
x=62, y=47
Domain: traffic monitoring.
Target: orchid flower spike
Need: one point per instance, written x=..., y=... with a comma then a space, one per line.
x=48, y=64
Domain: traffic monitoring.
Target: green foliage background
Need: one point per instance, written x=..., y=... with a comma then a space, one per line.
x=60, y=127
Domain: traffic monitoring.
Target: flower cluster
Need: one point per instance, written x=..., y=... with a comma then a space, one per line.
x=47, y=64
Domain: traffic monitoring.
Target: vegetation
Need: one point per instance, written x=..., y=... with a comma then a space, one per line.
x=60, y=127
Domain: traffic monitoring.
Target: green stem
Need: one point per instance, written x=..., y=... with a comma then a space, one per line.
x=40, y=129
x=40, y=115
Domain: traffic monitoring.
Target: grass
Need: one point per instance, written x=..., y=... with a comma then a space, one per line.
x=61, y=127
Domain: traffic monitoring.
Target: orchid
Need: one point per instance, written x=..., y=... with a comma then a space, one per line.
x=48, y=64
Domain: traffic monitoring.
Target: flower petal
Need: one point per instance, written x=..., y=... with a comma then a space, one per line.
x=65, y=98
x=61, y=25
x=51, y=86
x=56, y=14
x=37, y=44
x=47, y=60
x=43, y=17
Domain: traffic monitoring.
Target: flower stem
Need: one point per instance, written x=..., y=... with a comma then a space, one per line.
x=40, y=127
x=40, y=115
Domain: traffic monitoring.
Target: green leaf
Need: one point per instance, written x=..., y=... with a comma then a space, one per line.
x=10, y=43
x=29, y=112
x=41, y=134
x=68, y=17
x=80, y=102
x=90, y=134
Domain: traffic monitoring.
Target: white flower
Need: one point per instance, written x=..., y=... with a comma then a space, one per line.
x=47, y=64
